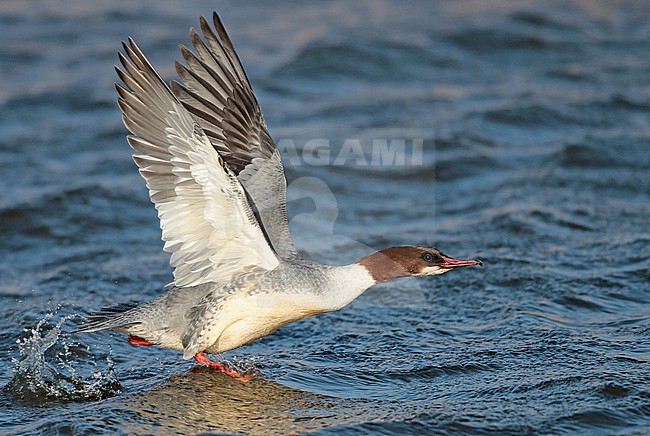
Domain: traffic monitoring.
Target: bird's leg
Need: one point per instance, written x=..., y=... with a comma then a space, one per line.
x=136, y=340
x=202, y=360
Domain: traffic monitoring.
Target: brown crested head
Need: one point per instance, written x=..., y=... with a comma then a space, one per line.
x=410, y=260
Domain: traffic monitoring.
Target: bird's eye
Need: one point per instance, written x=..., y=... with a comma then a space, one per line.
x=427, y=257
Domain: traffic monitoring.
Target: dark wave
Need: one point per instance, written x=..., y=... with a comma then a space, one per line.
x=542, y=116
x=486, y=40
x=382, y=61
x=69, y=215
x=611, y=153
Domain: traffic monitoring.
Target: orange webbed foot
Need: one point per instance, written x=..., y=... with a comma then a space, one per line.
x=241, y=376
x=138, y=341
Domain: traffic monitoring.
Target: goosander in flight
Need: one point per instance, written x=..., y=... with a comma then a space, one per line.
x=215, y=176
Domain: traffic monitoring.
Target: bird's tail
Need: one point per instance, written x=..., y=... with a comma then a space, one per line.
x=108, y=318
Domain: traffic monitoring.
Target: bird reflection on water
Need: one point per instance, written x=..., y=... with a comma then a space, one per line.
x=202, y=400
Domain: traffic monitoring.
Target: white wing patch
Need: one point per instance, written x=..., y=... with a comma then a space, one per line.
x=207, y=223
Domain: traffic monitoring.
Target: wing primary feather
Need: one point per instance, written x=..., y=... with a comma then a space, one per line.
x=195, y=64
x=206, y=55
x=216, y=90
x=229, y=47
x=209, y=112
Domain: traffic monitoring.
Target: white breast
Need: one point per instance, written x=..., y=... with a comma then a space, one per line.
x=246, y=316
x=250, y=317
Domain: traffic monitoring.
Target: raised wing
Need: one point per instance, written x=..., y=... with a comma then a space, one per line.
x=207, y=223
x=217, y=92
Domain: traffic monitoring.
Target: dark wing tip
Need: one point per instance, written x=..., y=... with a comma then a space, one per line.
x=216, y=19
x=203, y=21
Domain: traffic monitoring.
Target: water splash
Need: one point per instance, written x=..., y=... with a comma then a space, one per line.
x=245, y=365
x=51, y=367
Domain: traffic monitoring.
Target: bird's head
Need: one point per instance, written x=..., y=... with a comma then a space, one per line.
x=410, y=260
